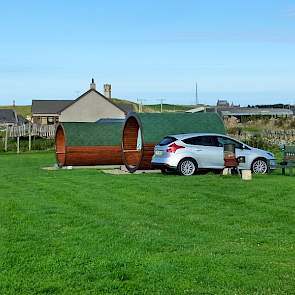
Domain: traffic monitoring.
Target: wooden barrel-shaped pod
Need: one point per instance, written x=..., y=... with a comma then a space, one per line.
x=83, y=144
x=142, y=131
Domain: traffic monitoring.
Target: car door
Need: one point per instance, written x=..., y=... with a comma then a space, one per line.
x=204, y=148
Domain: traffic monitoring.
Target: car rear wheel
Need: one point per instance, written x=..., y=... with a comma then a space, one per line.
x=164, y=171
x=259, y=166
x=187, y=167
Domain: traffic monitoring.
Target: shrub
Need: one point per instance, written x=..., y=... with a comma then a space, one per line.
x=292, y=124
x=38, y=144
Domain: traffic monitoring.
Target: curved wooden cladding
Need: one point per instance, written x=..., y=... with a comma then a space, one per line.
x=84, y=155
x=93, y=155
x=131, y=155
x=133, y=158
x=148, y=151
x=130, y=134
x=60, y=148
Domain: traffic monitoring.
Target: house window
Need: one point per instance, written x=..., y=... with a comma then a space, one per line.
x=50, y=120
x=44, y=120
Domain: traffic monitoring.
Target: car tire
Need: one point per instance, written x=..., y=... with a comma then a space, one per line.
x=217, y=171
x=187, y=167
x=259, y=166
x=164, y=171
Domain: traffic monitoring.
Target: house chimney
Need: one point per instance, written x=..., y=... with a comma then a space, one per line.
x=107, y=90
x=92, y=85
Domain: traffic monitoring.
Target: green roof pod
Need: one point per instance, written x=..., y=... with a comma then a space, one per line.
x=83, y=144
x=152, y=127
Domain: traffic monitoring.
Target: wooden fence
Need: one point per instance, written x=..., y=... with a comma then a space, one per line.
x=27, y=130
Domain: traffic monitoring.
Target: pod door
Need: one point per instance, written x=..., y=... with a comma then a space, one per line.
x=60, y=146
x=132, y=144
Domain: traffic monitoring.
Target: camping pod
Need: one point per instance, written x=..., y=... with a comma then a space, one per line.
x=83, y=144
x=142, y=131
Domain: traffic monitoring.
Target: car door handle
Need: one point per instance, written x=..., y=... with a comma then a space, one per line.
x=199, y=150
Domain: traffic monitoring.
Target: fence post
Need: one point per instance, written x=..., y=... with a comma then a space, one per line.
x=17, y=145
x=6, y=139
x=30, y=137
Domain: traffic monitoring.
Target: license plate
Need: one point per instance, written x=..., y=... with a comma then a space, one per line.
x=158, y=153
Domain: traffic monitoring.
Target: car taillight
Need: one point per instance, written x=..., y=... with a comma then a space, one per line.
x=174, y=147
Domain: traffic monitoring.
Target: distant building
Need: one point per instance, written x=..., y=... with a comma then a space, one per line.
x=222, y=103
x=89, y=107
x=243, y=112
x=10, y=117
x=47, y=112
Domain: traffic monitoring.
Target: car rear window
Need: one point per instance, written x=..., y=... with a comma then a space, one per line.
x=167, y=140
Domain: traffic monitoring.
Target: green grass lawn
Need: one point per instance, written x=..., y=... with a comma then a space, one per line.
x=85, y=232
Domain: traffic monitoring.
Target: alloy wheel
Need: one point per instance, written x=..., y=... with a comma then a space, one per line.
x=259, y=167
x=187, y=168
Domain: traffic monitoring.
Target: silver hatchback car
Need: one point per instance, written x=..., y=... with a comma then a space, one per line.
x=187, y=153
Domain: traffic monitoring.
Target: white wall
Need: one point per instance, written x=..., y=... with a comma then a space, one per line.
x=90, y=108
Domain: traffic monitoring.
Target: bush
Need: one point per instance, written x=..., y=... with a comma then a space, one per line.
x=257, y=141
x=279, y=123
x=292, y=124
x=38, y=144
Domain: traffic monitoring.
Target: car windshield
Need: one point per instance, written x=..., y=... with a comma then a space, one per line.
x=167, y=140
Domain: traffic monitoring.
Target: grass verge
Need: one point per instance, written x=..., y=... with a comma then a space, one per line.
x=84, y=232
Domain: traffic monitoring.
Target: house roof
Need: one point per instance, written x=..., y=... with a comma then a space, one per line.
x=127, y=107
x=8, y=116
x=49, y=106
x=57, y=106
x=110, y=120
x=85, y=93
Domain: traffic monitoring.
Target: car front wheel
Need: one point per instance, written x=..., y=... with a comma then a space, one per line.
x=259, y=166
x=187, y=167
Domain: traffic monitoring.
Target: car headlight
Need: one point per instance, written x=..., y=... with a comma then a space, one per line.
x=271, y=154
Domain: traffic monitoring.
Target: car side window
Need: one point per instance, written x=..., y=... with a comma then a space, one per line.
x=224, y=140
x=201, y=140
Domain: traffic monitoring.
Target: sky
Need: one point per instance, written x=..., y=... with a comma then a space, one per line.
x=242, y=51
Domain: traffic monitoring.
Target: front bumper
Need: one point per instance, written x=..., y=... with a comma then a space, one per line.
x=272, y=163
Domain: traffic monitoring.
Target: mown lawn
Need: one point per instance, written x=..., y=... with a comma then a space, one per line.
x=84, y=232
